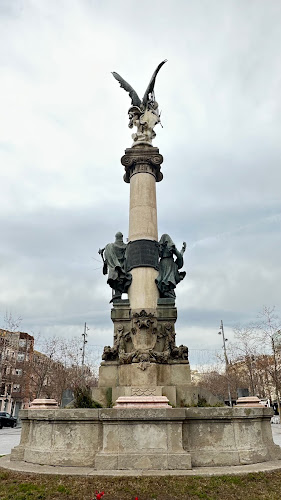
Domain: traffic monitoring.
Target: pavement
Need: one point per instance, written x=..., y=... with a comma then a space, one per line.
x=11, y=437
x=89, y=471
x=276, y=433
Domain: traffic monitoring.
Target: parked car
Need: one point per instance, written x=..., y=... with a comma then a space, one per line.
x=6, y=420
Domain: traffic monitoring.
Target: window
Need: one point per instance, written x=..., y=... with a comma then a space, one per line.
x=16, y=388
x=18, y=371
x=20, y=356
x=22, y=342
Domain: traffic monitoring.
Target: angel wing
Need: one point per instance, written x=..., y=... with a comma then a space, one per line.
x=151, y=84
x=132, y=93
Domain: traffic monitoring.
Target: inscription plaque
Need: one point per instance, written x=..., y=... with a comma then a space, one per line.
x=142, y=253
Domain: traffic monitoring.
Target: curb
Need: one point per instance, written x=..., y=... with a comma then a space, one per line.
x=25, y=467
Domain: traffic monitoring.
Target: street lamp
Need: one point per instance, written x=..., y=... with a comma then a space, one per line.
x=84, y=335
x=224, y=340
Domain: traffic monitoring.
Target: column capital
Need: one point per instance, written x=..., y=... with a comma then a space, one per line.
x=142, y=159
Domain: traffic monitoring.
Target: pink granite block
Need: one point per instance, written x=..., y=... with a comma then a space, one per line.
x=142, y=402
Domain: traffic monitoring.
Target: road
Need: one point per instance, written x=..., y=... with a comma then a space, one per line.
x=276, y=433
x=11, y=437
x=8, y=439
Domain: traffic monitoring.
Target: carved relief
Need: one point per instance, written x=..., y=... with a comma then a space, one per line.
x=109, y=353
x=144, y=319
x=144, y=331
x=148, y=341
x=143, y=391
x=143, y=365
x=118, y=351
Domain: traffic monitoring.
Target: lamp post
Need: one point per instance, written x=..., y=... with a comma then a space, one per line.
x=84, y=335
x=224, y=340
x=275, y=344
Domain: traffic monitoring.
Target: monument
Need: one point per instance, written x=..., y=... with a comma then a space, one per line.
x=144, y=359
x=144, y=369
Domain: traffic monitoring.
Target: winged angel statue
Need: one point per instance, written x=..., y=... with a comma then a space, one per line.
x=143, y=114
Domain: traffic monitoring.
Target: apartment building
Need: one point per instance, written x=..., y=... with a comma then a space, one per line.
x=16, y=349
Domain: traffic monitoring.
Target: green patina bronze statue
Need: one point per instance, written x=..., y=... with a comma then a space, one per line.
x=114, y=264
x=169, y=275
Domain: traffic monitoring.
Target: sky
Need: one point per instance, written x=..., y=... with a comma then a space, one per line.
x=63, y=130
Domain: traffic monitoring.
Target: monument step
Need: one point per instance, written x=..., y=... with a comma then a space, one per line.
x=142, y=402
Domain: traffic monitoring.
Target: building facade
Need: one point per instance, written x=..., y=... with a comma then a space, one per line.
x=16, y=350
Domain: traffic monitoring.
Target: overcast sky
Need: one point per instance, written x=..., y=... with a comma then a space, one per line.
x=63, y=129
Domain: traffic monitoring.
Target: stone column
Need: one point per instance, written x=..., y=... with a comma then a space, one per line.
x=142, y=170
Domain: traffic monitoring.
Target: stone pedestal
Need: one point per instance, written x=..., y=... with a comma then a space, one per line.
x=146, y=438
x=43, y=404
x=142, y=439
x=170, y=380
x=144, y=359
x=229, y=436
x=249, y=401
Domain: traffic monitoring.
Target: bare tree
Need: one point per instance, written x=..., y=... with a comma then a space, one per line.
x=220, y=383
x=11, y=323
x=269, y=329
x=254, y=352
x=57, y=368
x=243, y=351
x=254, y=360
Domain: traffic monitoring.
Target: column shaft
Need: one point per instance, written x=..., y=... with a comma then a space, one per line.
x=143, y=210
x=142, y=171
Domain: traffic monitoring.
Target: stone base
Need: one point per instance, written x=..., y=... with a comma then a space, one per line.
x=112, y=374
x=146, y=379
x=178, y=396
x=143, y=461
x=146, y=438
x=61, y=437
x=229, y=436
x=140, y=438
